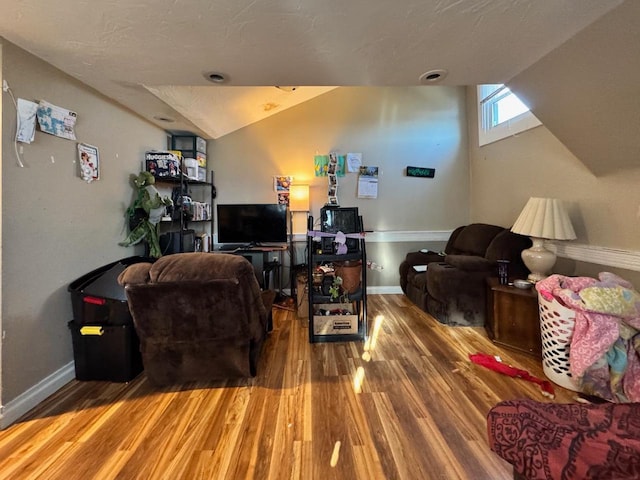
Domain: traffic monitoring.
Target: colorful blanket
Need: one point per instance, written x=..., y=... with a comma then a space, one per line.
x=604, y=352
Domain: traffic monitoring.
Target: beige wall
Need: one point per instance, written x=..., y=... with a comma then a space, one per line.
x=55, y=226
x=392, y=128
x=604, y=209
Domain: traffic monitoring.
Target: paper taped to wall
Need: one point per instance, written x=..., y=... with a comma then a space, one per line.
x=26, y=112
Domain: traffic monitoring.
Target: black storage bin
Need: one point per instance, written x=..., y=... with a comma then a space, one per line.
x=105, y=344
x=96, y=297
x=110, y=353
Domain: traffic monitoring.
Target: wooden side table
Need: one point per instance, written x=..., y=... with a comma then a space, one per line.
x=513, y=318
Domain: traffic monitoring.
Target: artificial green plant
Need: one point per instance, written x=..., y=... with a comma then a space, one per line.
x=149, y=201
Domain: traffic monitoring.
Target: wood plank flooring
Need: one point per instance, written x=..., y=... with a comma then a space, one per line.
x=408, y=404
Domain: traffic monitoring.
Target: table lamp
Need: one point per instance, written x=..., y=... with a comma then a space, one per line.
x=542, y=219
x=299, y=198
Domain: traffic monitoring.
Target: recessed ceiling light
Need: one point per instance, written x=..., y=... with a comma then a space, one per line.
x=161, y=118
x=433, y=76
x=215, y=77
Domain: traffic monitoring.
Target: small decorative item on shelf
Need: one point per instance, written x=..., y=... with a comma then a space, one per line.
x=503, y=271
x=335, y=288
x=317, y=281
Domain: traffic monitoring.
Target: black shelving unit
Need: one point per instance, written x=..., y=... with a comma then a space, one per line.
x=180, y=222
x=327, y=328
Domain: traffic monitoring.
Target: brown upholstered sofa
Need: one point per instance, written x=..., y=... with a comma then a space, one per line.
x=199, y=316
x=453, y=287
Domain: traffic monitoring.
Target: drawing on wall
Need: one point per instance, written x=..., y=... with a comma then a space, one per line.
x=320, y=164
x=354, y=161
x=333, y=163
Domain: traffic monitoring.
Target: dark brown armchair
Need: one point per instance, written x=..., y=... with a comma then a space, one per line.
x=199, y=316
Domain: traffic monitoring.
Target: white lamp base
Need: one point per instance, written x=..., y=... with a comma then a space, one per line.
x=538, y=260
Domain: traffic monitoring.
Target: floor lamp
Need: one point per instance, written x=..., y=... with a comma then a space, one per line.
x=298, y=202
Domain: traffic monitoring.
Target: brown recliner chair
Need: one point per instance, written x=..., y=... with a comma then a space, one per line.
x=453, y=288
x=199, y=316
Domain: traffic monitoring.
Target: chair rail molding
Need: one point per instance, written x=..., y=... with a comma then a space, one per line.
x=397, y=236
x=612, y=257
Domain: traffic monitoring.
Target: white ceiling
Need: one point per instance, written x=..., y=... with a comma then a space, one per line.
x=152, y=55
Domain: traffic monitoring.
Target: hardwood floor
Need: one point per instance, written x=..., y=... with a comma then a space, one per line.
x=406, y=405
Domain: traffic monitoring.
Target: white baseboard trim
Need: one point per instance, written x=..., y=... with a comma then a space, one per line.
x=24, y=402
x=610, y=257
x=384, y=290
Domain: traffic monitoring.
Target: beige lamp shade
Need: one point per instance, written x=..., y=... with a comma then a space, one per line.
x=542, y=218
x=299, y=198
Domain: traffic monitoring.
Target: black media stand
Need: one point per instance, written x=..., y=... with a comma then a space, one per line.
x=265, y=260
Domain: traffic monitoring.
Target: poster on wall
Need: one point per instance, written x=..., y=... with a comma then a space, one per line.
x=56, y=121
x=320, y=165
x=281, y=185
x=368, y=182
x=333, y=163
x=26, y=120
x=88, y=162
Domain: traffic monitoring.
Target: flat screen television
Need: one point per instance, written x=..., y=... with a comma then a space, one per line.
x=252, y=224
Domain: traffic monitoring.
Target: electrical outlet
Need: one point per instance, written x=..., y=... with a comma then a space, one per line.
x=275, y=260
x=5, y=86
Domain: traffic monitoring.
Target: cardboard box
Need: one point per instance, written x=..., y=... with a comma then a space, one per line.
x=162, y=163
x=334, y=324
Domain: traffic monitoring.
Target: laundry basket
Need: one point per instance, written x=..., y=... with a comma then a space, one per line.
x=556, y=328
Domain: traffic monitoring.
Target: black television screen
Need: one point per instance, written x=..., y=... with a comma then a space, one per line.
x=340, y=219
x=252, y=224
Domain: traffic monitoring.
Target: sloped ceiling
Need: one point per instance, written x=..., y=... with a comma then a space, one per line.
x=153, y=56
x=587, y=91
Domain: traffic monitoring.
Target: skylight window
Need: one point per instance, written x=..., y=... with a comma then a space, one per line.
x=501, y=114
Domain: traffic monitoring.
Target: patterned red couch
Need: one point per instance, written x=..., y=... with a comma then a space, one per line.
x=567, y=441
